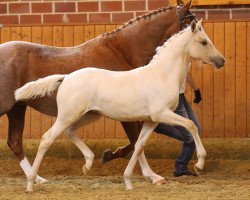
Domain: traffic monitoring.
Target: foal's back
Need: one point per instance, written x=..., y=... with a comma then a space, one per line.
x=119, y=95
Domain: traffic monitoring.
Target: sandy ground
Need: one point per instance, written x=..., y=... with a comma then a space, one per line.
x=227, y=178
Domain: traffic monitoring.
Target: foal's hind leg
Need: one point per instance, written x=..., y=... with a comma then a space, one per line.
x=16, y=124
x=88, y=154
x=47, y=140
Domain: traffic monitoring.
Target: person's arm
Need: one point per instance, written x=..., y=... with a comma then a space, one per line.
x=192, y=84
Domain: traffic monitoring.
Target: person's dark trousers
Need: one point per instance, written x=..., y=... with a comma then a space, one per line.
x=180, y=133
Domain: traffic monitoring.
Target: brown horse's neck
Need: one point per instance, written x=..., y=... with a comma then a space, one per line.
x=138, y=40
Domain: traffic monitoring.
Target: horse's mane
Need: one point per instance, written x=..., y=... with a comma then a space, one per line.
x=147, y=15
x=158, y=49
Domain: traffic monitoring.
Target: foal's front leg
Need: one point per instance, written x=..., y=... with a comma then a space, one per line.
x=171, y=118
x=148, y=172
x=132, y=130
x=146, y=131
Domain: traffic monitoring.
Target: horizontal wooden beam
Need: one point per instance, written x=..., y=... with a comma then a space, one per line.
x=214, y=2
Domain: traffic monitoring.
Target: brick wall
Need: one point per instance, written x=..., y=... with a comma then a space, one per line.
x=96, y=11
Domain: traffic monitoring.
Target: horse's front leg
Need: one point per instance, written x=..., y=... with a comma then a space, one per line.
x=171, y=118
x=132, y=130
x=16, y=124
x=146, y=131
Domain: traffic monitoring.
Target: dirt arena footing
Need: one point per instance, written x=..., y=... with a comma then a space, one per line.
x=226, y=174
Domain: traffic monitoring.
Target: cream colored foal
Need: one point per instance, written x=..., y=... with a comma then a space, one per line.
x=149, y=93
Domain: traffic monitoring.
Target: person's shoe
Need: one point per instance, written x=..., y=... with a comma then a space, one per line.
x=183, y=173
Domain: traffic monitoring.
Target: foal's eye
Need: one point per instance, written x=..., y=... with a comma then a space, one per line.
x=203, y=42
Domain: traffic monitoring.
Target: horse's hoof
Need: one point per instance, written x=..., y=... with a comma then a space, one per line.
x=160, y=182
x=40, y=180
x=106, y=156
x=85, y=170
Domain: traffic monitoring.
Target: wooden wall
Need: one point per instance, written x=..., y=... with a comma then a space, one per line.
x=224, y=110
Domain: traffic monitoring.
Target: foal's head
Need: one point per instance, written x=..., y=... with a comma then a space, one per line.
x=201, y=47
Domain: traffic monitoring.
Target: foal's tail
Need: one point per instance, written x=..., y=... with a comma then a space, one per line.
x=39, y=88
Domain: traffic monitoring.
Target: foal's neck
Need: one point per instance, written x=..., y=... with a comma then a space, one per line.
x=172, y=59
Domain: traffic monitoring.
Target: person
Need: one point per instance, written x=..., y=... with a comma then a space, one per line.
x=180, y=133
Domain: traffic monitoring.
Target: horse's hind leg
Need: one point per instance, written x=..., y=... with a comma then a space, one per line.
x=132, y=130
x=16, y=124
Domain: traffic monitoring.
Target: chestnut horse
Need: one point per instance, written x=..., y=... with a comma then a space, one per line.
x=126, y=48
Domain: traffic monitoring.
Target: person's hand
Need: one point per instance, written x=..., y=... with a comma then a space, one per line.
x=197, y=98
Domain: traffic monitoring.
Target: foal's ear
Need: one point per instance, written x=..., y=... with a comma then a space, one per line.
x=193, y=26
x=199, y=23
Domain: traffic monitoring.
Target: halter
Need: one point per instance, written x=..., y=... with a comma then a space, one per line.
x=188, y=15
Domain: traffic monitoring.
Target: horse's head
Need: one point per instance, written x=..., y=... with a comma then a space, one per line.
x=200, y=47
x=185, y=15
x=175, y=20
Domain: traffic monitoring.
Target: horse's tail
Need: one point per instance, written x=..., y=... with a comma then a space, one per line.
x=39, y=88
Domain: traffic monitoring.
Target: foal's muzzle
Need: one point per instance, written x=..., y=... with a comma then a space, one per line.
x=218, y=61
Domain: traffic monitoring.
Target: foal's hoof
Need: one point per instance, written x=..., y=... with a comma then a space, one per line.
x=85, y=170
x=28, y=191
x=40, y=180
x=160, y=182
x=106, y=156
x=197, y=170
x=129, y=188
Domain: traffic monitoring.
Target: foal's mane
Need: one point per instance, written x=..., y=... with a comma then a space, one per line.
x=158, y=49
x=144, y=16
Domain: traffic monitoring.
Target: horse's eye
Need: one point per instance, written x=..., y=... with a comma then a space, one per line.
x=203, y=42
